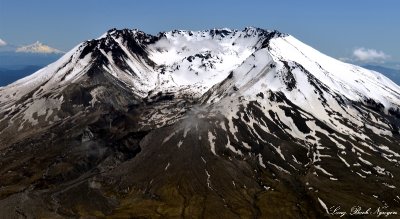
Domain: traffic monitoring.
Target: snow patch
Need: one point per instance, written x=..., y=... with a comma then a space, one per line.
x=323, y=205
x=211, y=139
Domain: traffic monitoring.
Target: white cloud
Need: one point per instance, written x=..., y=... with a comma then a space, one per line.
x=38, y=47
x=345, y=59
x=363, y=54
x=2, y=42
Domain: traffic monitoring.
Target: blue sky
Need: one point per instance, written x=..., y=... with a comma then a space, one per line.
x=336, y=28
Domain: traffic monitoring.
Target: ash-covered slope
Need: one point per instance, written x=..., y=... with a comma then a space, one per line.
x=215, y=123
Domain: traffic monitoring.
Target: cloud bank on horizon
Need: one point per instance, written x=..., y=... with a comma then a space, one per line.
x=362, y=55
x=368, y=55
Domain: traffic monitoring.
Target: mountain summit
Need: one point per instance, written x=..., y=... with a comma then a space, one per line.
x=214, y=123
x=38, y=47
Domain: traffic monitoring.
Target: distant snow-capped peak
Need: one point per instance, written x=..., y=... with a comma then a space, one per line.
x=38, y=47
x=2, y=42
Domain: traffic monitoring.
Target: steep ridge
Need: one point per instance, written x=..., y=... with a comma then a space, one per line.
x=215, y=123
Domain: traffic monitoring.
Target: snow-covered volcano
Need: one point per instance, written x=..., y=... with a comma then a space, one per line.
x=197, y=60
x=169, y=61
x=232, y=122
